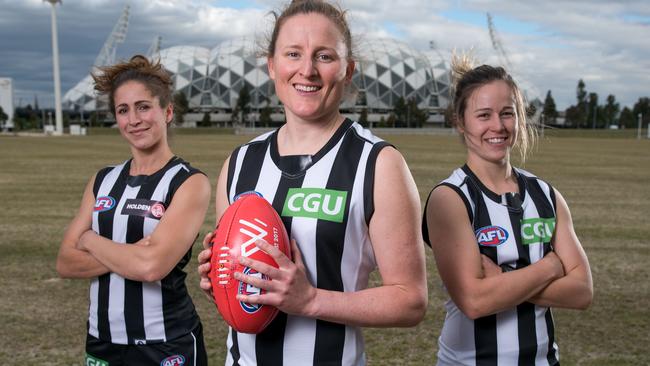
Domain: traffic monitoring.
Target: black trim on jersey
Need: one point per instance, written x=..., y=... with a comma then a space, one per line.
x=545, y=210
x=425, y=225
x=232, y=165
x=269, y=345
x=99, y=178
x=330, y=237
x=492, y=195
x=550, y=329
x=105, y=225
x=275, y=153
x=485, y=328
x=234, y=350
x=252, y=165
x=369, y=180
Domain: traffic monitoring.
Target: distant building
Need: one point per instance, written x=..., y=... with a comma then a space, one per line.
x=7, y=102
x=212, y=79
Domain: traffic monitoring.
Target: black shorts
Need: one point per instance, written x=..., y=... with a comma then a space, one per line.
x=188, y=350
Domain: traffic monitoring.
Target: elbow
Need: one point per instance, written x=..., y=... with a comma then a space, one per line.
x=584, y=301
x=63, y=270
x=473, y=308
x=151, y=274
x=418, y=310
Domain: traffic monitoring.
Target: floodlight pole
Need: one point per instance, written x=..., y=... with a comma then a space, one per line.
x=57, y=78
x=638, y=130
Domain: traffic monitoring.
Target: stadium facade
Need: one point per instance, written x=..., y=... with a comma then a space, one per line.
x=212, y=79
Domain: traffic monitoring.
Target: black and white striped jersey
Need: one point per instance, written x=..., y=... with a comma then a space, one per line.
x=514, y=230
x=326, y=202
x=127, y=208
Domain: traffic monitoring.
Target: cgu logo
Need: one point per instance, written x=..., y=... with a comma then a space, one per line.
x=254, y=234
x=104, y=203
x=317, y=203
x=491, y=236
x=175, y=360
x=93, y=361
x=537, y=230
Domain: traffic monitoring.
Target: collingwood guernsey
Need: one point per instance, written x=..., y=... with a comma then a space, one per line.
x=128, y=208
x=514, y=230
x=326, y=202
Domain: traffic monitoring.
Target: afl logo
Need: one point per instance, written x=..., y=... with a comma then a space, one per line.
x=175, y=360
x=104, y=203
x=491, y=236
x=157, y=210
x=247, y=289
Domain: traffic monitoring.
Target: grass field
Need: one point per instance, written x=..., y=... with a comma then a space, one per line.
x=606, y=182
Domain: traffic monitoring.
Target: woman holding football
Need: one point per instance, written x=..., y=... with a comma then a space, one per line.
x=502, y=238
x=318, y=157
x=134, y=231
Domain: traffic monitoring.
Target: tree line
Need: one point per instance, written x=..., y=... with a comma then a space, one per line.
x=588, y=112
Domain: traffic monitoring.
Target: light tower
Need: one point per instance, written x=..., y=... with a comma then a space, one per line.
x=55, y=64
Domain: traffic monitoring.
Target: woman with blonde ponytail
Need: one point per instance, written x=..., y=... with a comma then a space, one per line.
x=503, y=239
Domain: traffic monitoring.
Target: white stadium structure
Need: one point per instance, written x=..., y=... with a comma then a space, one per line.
x=211, y=79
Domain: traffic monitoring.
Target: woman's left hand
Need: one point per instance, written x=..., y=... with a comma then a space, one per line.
x=287, y=287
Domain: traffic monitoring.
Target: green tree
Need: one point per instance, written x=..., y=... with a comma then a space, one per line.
x=205, y=121
x=581, y=111
x=610, y=110
x=550, y=110
x=592, y=109
x=3, y=117
x=181, y=106
x=363, y=117
x=243, y=104
x=265, y=115
x=642, y=106
x=400, y=112
x=627, y=119
x=416, y=117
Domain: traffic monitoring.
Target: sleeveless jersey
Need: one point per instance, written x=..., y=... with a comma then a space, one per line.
x=128, y=208
x=514, y=230
x=326, y=202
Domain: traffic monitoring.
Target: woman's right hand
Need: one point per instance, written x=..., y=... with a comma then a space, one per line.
x=204, y=265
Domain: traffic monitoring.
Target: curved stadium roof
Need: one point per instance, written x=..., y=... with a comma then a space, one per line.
x=211, y=79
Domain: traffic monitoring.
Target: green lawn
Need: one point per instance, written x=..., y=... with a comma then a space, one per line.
x=605, y=180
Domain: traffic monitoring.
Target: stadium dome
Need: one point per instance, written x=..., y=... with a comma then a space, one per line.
x=212, y=79
x=189, y=66
x=233, y=66
x=390, y=69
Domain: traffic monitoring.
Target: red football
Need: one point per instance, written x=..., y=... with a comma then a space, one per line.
x=248, y=219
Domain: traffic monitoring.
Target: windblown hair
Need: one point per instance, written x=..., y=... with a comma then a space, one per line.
x=466, y=79
x=152, y=75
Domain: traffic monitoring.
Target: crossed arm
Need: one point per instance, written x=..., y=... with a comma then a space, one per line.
x=85, y=254
x=395, y=236
x=562, y=278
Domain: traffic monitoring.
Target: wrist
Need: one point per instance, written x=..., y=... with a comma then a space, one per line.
x=311, y=308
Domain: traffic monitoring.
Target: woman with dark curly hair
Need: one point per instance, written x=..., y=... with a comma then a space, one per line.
x=134, y=231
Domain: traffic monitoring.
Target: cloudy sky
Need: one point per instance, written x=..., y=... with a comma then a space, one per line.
x=549, y=44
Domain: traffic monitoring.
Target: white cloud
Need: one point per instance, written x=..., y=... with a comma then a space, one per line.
x=603, y=42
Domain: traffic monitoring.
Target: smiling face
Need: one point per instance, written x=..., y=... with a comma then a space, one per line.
x=489, y=125
x=310, y=67
x=140, y=118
